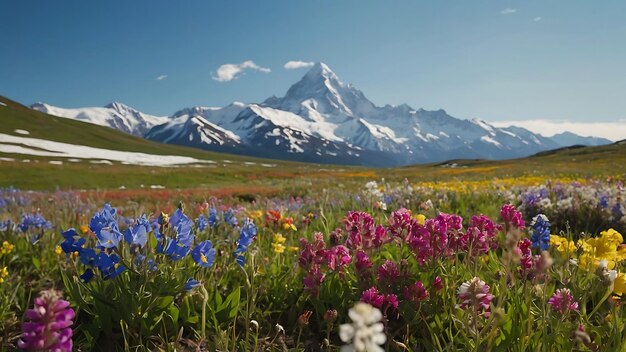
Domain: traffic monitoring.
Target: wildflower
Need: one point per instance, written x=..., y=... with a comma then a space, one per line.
x=84, y=229
x=255, y=214
x=363, y=262
x=438, y=283
x=562, y=301
x=303, y=319
x=6, y=248
x=87, y=275
x=73, y=242
x=606, y=275
x=330, y=316
x=481, y=235
x=173, y=249
x=388, y=272
x=360, y=227
x=36, y=221
x=137, y=234
x=103, y=219
x=606, y=246
x=246, y=236
x=540, y=232
x=365, y=333
x=4, y=272
x=420, y=218
x=109, y=265
x=58, y=250
x=373, y=297
x=204, y=254
x=415, y=293
x=213, y=218
x=337, y=258
x=288, y=225
x=511, y=216
x=475, y=294
x=184, y=235
x=48, y=326
x=619, y=284
x=201, y=222
x=229, y=218
x=277, y=244
x=191, y=284
x=562, y=244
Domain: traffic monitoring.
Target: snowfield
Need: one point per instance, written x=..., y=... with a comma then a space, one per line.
x=40, y=147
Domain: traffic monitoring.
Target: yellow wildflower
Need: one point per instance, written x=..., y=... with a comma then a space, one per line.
x=603, y=247
x=84, y=229
x=3, y=273
x=278, y=238
x=277, y=245
x=420, y=218
x=255, y=214
x=6, y=248
x=619, y=285
x=293, y=249
x=58, y=250
x=562, y=244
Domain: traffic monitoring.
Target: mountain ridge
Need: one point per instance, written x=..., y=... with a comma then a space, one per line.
x=324, y=120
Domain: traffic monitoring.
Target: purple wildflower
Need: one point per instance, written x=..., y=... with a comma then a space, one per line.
x=563, y=302
x=475, y=294
x=49, y=325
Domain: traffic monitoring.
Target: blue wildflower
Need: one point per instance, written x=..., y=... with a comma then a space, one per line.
x=7, y=225
x=213, y=218
x=73, y=242
x=229, y=217
x=109, y=265
x=109, y=237
x=87, y=275
x=137, y=234
x=540, y=232
x=201, y=222
x=175, y=250
x=191, y=284
x=36, y=221
x=103, y=219
x=176, y=217
x=184, y=236
x=246, y=236
x=204, y=254
x=88, y=256
x=155, y=224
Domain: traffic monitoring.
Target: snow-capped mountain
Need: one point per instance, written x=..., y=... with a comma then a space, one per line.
x=115, y=115
x=322, y=119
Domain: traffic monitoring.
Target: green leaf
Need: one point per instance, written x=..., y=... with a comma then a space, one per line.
x=36, y=262
x=164, y=302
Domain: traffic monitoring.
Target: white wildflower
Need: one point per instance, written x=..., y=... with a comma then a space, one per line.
x=366, y=331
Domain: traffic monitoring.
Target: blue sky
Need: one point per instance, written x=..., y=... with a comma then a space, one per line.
x=545, y=61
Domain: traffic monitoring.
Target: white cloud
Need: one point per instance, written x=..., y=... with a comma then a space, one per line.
x=508, y=11
x=228, y=72
x=292, y=65
x=537, y=19
x=161, y=77
x=614, y=131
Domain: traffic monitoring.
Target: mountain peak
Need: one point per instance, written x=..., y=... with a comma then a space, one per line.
x=116, y=105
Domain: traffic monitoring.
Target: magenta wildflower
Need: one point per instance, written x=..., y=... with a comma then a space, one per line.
x=363, y=262
x=373, y=297
x=415, y=293
x=400, y=223
x=511, y=216
x=475, y=294
x=388, y=272
x=391, y=301
x=438, y=283
x=481, y=235
x=563, y=302
x=361, y=228
x=49, y=325
x=337, y=258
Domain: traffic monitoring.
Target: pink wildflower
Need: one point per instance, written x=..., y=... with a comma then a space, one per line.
x=475, y=294
x=49, y=325
x=373, y=297
x=511, y=216
x=415, y=293
x=563, y=302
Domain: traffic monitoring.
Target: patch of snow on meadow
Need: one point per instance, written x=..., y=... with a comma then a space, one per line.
x=58, y=149
x=19, y=131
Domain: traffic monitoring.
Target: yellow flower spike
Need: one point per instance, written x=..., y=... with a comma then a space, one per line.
x=58, y=250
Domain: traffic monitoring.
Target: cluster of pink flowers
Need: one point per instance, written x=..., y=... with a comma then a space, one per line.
x=356, y=242
x=511, y=217
x=563, y=301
